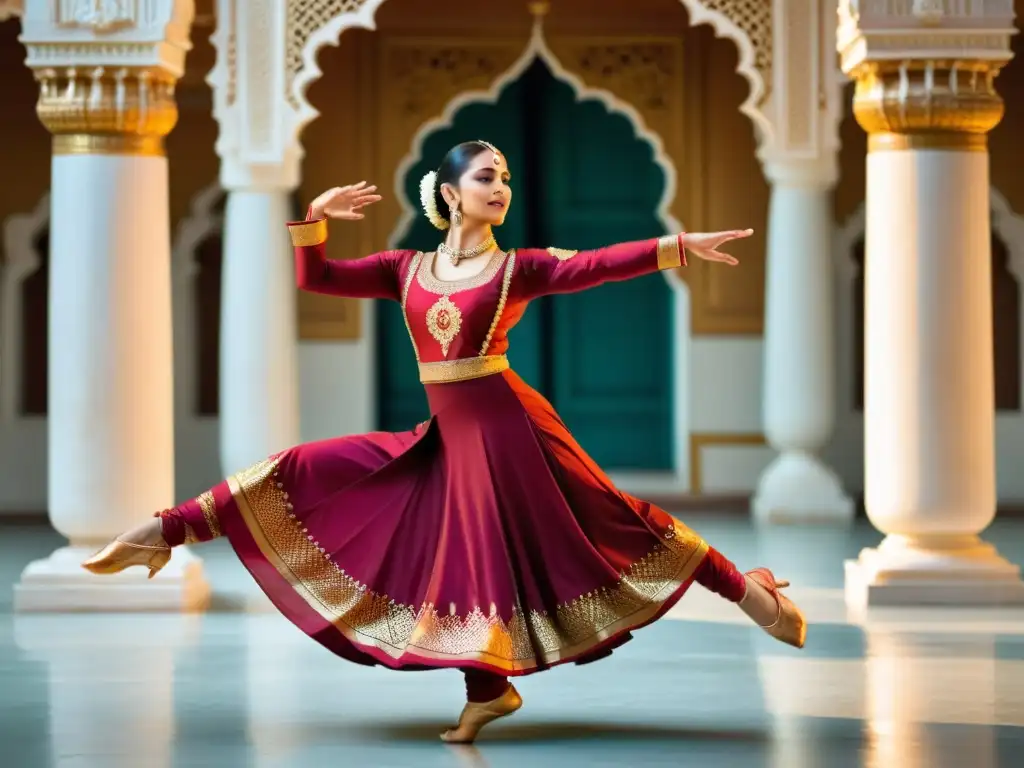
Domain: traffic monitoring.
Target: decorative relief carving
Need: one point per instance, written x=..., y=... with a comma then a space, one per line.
x=870, y=30
x=261, y=102
x=98, y=15
x=304, y=18
x=929, y=11
x=425, y=77
x=644, y=71
x=801, y=73
x=754, y=18
x=646, y=74
x=231, y=54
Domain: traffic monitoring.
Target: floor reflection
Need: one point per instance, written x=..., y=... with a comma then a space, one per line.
x=239, y=686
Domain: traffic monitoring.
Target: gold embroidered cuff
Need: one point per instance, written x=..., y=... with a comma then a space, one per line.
x=308, y=232
x=669, y=254
x=448, y=371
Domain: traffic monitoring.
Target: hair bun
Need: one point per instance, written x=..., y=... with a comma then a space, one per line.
x=428, y=201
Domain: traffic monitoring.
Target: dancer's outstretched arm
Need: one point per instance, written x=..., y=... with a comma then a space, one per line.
x=554, y=270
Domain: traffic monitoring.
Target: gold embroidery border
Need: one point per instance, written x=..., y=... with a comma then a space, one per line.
x=413, y=269
x=370, y=619
x=209, y=507
x=669, y=254
x=308, y=233
x=427, y=280
x=562, y=254
x=506, y=282
x=462, y=369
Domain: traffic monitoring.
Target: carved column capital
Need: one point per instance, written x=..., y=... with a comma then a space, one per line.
x=107, y=71
x=926, y=70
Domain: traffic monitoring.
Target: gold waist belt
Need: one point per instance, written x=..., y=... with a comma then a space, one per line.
x=447, y=371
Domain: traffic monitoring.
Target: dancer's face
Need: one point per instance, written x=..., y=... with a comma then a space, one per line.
x=484, y=190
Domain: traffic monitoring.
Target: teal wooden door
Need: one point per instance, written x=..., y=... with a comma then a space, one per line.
x=611, y=364
x=582, y=179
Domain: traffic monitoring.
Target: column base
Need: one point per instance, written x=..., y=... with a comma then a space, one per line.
x=798, y=487
x=58, y=583
x=932, y=571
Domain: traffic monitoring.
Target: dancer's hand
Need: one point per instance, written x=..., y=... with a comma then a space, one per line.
x=344, y=202
x=704, y=245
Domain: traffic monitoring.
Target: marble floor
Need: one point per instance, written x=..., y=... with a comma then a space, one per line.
x=239, y=686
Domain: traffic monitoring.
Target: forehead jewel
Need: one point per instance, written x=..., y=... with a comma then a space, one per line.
x=494, y=149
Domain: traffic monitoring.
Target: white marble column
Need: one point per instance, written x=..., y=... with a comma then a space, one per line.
x=261, y=160
x=929, y=397
x=259, y=411
x=111, y=432
x=799, y=365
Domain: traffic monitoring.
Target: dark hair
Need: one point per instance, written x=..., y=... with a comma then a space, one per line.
x=455, y=163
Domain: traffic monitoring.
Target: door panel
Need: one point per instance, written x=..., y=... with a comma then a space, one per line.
x=612, y=371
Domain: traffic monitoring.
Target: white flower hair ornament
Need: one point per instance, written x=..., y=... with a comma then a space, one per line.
x=429, y=202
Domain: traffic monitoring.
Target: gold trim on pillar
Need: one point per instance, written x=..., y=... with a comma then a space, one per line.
x=669, y=254
x=699, y=441
x=107, y=110
x=927, y=104
x=954, y=142
x=308, y=233
x=107, y=144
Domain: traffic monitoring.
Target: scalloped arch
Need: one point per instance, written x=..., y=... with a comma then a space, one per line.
x=535, y=49
x=307, y=35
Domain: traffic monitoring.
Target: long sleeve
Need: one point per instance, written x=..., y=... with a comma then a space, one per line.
x=370, y=277
x=543, y=272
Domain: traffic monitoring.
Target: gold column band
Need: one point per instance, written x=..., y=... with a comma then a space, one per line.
x=107, y=144
x=308, y=233
x=107, y=110
x=951, y=142
x=927, y=104
x=669, y=255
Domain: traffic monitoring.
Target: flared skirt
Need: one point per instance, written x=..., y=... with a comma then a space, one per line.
x=484, y=538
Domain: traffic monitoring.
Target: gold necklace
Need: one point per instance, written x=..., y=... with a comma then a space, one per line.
x=455, y=256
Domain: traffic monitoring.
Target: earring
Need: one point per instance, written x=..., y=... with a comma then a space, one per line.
x=455, y=214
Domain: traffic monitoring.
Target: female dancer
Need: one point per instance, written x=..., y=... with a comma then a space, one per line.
x=484, y=539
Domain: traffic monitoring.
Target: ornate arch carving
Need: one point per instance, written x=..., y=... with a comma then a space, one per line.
x=536, y=48
x=748, y=23
x=314, y=24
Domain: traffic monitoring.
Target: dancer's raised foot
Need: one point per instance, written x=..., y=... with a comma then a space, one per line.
x=143, y=545
x=476, y=715
x=775, y=613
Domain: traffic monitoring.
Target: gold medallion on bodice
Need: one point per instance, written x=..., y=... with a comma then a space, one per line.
x=444, y=321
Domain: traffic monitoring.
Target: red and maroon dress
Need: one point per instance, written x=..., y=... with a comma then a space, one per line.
x=484, y=537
